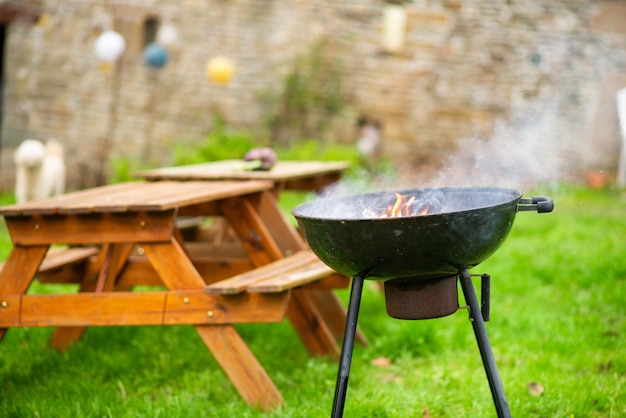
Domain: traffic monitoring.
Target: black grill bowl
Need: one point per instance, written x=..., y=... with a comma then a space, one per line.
x=466, y=226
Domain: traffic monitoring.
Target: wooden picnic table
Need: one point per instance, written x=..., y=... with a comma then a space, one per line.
x=291, y=175
x=285, y=175
x=120, y=236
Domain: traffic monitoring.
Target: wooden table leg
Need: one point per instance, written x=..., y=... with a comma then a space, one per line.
x=63, y=337
x=19, y=271
x=334, y=312
x=269, y=238
x=310, y=326
x=324, y=302
x=239, y=363
x=226, y=345
x=114, y=258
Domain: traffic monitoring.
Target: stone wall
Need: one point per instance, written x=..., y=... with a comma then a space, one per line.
x=470, y=65
x=466, y=66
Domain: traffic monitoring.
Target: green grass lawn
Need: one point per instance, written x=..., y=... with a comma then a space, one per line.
x=558, y=320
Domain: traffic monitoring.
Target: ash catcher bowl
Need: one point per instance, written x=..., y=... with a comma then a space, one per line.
x=419, y=242
x=421, y=299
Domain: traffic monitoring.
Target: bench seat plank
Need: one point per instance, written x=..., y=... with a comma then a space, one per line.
x=61, y=257
x=286, y=273
x=307, y=273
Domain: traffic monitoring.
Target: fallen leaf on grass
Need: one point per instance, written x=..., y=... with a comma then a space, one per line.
x=381, y=362
x=391, y=378
x=604, y=368
x=425, y=412
x=535, y=388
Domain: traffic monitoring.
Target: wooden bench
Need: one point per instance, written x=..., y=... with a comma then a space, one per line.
x=300, y=272
x=189, y=227
x=297, y=270
x=58, y=260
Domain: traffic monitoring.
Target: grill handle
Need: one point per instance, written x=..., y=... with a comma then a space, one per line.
x=485, y=296
x=541, y=204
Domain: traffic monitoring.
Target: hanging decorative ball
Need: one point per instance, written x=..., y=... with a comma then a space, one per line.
x=155, y=56
x=44, y=20
x=167, y=35
x=220, y=70
x=109, y=46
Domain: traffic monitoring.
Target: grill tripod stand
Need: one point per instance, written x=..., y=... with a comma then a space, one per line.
x=480, y=331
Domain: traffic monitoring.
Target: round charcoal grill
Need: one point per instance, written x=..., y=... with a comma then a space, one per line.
x=419, y=242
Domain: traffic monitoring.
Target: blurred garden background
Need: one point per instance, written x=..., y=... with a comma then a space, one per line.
x=509, y=93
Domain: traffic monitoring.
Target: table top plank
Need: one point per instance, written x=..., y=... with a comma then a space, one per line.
x=137, y=196
x=67, y=200
x=198, y=191
x=234, y=170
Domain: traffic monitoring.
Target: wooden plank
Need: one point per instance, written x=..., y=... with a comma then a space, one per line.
x=64, y=265
x=91, y=228
x=172, y=265
x=240, y=365
x=9, y=311
x=301, y=312
x=285, y=234
x=144, y=196
x=334, y=281
x=200, y=308
x=241, y=282
x=191, y=193
x=115, y=258
x=53, y=205
x=84, y=309
x=20, y=268
x=63, y=337
x=138, y=271
x=310, y=326
x=139, y=308
x=61, y=257
x=216, y=249
x=71, y=273
x=213, y=271
x=330, y=307
x=305, y=274
x=322, y=301
x=166, y=195
x=233, y=169
x=189, y=222
x=204, y=209
x=251, y=231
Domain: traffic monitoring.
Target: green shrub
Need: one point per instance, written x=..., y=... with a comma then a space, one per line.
x=222, y=143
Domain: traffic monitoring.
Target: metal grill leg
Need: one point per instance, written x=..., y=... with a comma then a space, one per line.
x=348, y=344
x=495, y=384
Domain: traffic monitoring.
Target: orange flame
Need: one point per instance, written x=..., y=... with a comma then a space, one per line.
x=402, y=207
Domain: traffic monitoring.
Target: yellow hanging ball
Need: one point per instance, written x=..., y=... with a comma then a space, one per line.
x=220, y=70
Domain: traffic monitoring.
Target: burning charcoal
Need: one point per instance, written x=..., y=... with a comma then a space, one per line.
x=260, y=159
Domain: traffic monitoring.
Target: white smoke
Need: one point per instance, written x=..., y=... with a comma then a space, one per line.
x=535, y=148
x=522, y=152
